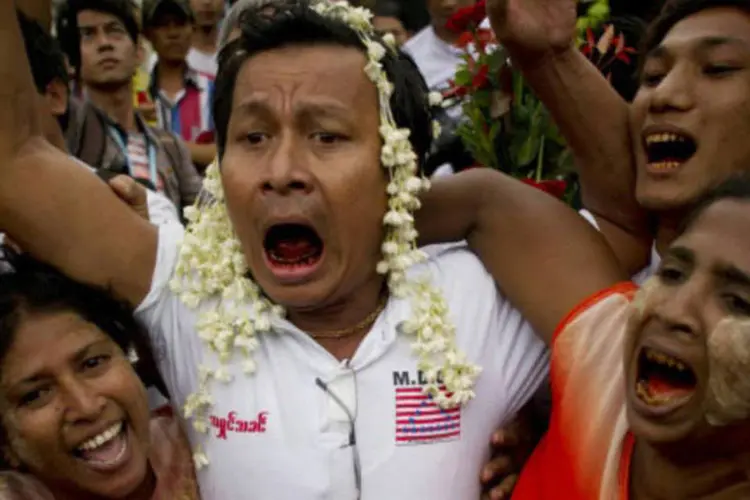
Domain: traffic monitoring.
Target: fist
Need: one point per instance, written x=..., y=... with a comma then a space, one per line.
x=533, y=28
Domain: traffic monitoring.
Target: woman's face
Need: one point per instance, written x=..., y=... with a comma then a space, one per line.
x=688, y=351
x=74, y=412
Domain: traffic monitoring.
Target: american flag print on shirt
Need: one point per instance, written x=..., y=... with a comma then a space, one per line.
x=420, y=421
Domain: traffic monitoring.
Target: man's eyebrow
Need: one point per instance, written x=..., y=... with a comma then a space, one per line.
x=703, y=44
x=732, y=274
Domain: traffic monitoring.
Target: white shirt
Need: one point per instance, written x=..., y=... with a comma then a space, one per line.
x=203, y=62
x=278, y=436
x=436, y=59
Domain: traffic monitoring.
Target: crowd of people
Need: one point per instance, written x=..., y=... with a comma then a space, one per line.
x=224, y=274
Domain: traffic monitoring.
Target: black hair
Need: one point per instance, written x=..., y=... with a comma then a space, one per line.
x=67, y=23
x=44, y=54
x=284, y=23
x=736, y=187
x=28, y=286
x=388, y=8
x=675, y=11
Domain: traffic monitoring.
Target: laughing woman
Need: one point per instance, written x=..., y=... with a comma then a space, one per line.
x=75, y=417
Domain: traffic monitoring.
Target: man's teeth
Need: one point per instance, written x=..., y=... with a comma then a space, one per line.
x=665, y=359
x=664, y=165
x=655, y=138
x=106, y=436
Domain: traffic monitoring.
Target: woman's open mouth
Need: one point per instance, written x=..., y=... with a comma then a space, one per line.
x=664, y=382
x=107, y=451
x=292, y=251
x=668, y=151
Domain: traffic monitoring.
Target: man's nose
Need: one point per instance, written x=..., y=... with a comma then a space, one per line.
x=287, y=172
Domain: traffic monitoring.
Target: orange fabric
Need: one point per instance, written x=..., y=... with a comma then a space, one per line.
x=580, y=457
x=625, y=461
x=626, y=288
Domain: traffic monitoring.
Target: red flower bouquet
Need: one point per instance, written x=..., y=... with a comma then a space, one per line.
x=505, y=126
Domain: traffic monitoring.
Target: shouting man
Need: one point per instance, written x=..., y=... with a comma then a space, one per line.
x=370, y=387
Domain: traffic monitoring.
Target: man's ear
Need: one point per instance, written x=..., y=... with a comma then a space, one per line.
x=56, y=94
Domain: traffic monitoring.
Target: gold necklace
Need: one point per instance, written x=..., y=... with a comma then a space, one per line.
x=362, y=325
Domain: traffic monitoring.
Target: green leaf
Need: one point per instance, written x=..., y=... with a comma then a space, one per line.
x=463, y=77
x=528, y=151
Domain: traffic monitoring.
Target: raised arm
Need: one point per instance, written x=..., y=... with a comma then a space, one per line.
x=540, y=38
x=52, y=207
x=543, y=255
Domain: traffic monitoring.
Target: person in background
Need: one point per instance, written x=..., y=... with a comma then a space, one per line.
x=182, y=95
x=75, y=421
x=208, y=16
x=107, y=132
x=387, y=19
x=49, y=72
x=433, y=47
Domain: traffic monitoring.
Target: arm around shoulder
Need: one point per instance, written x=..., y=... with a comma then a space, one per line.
x=542, y=254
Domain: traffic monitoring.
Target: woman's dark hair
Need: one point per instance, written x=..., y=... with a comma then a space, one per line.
x=284, y=23
x=67, y=23
x=28, y=286
x=675, y=11
x=736, y=187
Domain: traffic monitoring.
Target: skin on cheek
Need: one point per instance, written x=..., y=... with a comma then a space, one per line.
x=18, y=450
x=728, y=395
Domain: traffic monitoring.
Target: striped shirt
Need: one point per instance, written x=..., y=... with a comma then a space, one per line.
x=188, y=114
x=139, y=161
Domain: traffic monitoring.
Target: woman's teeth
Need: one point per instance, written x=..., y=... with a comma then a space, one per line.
x=101, y=439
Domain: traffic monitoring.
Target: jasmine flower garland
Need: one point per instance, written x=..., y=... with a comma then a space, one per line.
x=212, y=268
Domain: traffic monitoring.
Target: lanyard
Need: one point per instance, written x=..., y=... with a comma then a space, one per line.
x=154, y=176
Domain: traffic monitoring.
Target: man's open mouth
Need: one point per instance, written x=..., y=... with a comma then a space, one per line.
x=664, y=380
x=667, y=151
x=292, y=248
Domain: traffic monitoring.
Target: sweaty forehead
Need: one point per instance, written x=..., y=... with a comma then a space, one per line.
x=720, y=22
x=725, y=221
x=288, y=76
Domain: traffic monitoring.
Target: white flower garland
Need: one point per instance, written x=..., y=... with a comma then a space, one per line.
x=212, y=267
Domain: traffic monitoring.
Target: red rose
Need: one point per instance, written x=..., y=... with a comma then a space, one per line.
x=467, y=18
x=455, y=91
x=554, y=187
x=481, y=79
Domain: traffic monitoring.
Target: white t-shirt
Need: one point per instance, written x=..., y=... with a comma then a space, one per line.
x=203, y=62
x=278, y=436
x=436, y=59
x=641, y=276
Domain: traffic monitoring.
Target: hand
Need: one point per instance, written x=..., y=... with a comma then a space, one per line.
x=511, y=447
x=533, y=28
x=132, y=193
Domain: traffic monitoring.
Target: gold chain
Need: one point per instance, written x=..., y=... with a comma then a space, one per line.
x=362, y=325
